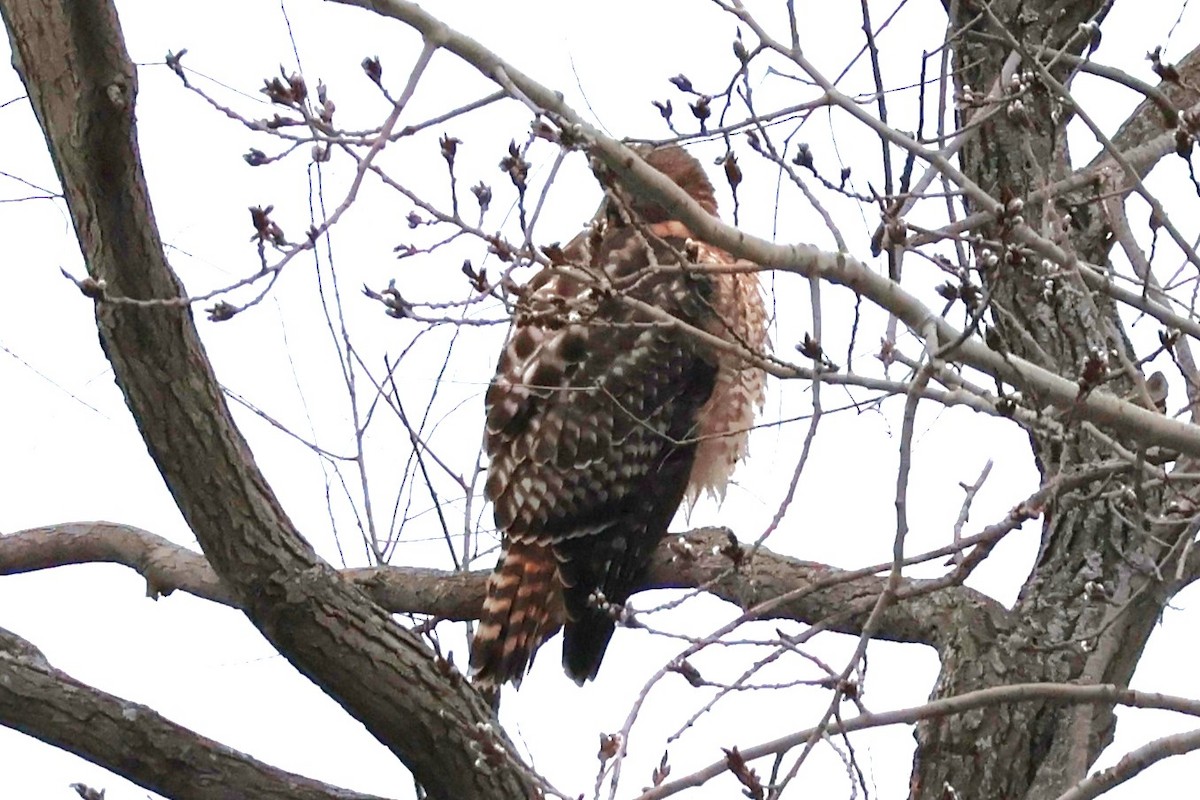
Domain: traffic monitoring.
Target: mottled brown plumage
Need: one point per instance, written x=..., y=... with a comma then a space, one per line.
x=603, y=417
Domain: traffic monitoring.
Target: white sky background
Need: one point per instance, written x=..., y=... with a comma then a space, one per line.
x=71, y=451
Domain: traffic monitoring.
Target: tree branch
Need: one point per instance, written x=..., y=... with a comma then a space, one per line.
x=1067, y=694
x=165, y=565
x=839, y=268
x=699, y=559
x=1146, y=122
x=134, y=741
x=83, y=86
x=1132, y=764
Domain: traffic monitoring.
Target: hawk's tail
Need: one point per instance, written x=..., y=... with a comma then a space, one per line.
x=522, y=609
x=584, y=643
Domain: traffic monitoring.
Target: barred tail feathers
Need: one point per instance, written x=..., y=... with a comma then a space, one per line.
x=522, y=609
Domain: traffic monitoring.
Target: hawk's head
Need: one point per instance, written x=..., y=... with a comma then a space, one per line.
x=682, y=168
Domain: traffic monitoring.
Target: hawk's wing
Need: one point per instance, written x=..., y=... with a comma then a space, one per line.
x=590, y=430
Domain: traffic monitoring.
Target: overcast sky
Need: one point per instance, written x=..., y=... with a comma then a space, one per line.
x=71, y=450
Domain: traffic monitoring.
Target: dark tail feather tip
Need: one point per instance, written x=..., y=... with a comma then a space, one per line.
x=584, y=643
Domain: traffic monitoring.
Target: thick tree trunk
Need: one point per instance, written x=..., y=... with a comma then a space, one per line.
x=1087, y=608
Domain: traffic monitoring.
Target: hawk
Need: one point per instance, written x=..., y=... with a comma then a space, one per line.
x=604, y=415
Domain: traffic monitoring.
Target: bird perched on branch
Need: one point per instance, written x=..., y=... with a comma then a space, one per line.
x=605, y=413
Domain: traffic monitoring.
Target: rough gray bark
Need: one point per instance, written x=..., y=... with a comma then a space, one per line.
x=83, y=87
x=1058, y=631
x=135, y=741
